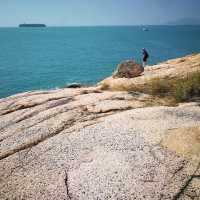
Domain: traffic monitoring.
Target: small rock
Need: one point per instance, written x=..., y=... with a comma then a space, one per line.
x=74, y=85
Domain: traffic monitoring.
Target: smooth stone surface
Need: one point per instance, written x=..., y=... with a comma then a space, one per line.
x=88, y=144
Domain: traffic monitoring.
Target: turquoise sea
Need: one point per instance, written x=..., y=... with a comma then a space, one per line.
x=44, y=58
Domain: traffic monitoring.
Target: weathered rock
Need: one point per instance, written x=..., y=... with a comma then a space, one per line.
x=167, y=70
x=83, y=144
x=90, y=144
x=128, y=69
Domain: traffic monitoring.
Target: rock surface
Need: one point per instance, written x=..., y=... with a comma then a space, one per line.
x=167, y=70
x=128, y=69
x=87, y=144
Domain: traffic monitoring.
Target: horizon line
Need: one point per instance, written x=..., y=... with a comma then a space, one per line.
x=52, y=26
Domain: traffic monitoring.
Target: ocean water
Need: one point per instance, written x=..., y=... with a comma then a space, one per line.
x=44, y=58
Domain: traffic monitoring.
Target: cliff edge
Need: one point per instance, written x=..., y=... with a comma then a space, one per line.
x=86, y=143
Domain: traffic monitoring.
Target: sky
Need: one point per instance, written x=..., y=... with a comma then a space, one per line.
x=96, y=12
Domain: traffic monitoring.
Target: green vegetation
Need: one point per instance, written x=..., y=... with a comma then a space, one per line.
x=180, y=89
x=176, y=89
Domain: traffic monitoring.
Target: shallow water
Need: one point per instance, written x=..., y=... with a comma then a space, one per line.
x=43, y=58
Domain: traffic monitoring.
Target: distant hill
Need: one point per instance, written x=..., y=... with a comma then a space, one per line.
x=185, y=21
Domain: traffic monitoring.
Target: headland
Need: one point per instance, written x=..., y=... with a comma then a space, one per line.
x=116, y=140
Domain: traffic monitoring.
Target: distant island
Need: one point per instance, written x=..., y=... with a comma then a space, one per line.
x=32, y=25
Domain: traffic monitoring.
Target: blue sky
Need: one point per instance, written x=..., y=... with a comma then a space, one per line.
x=96, y=12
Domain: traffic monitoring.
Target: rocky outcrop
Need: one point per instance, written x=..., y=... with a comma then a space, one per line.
x=86, y=143
x=128, y=69
x=171, y=69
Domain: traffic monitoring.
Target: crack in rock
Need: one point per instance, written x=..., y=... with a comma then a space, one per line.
x=186, y=184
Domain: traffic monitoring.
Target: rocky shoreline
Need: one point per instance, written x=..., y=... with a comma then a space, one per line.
x=89, y=143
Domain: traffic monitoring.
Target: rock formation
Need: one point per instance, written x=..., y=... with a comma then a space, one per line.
x=128, y=69
x=167, y=70
x=88, y=144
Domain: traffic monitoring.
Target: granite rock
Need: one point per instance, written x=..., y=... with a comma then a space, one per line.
x=86, y=143
x=128, y=69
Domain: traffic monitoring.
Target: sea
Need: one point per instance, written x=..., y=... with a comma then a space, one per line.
x=48, y=58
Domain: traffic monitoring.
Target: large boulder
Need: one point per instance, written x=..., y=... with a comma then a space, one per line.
x=128, y=69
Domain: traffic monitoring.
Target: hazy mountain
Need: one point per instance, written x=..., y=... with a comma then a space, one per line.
x=185, y=21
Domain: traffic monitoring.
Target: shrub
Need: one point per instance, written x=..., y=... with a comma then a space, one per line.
x=180, y=89
x=176, y=89
x=187, y=88
x=160, y=87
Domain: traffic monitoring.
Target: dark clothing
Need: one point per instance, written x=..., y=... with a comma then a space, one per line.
x=145, y=55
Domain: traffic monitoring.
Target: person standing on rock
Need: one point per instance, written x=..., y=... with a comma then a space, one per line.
x=145, y=56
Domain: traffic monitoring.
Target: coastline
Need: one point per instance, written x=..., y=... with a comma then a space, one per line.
x=65, y=55
x=169, y=69
x=89, y=143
